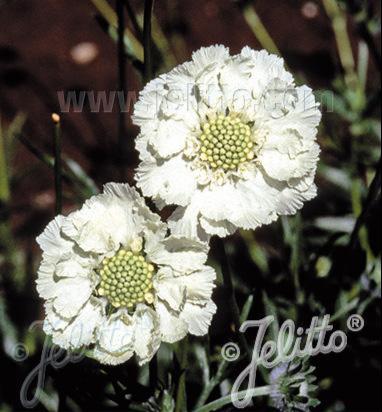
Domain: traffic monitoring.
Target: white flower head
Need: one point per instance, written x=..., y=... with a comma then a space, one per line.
x=231, y=140
x=114, y=282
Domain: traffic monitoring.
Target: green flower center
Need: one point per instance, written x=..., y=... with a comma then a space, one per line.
x=126, y=279
x=226, y=143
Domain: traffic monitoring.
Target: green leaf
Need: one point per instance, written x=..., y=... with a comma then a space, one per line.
x=271, y=310
x=134, y=48
x=246, y=309
x=168, y=403
x=5, y=192
x=203, y=363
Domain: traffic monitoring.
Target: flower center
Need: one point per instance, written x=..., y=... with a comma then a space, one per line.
x=226, y=143
x=126, y=279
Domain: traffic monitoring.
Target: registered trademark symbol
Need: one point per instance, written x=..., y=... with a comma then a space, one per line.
x=356, y=323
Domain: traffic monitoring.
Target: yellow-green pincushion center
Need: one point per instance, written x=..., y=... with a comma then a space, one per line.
x=126, y=279
x=226, y=143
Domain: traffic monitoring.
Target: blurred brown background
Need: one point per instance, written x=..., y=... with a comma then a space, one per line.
x=38, y=45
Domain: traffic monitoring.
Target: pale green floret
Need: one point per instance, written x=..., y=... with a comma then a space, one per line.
x=226, y=143
x=126, y=279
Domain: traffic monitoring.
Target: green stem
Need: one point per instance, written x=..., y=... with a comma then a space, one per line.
x=147, y=35
x=181, y=394
x=292, y=237
x=134, y=21
x=339, y=24
x=133, y=46
x=223, y=365
x=68, y=176
x=4, y=179
x=153, y=367
x=57, y=163
x=215, y=381
x=227, y=279
x=227, y=400
x=163, y=45
x=254, y=22
x=374, y=192
x=121, y=76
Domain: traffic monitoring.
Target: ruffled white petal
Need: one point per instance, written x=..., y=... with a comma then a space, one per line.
x=112, y=359
x=110, y=220
x=185, y=221
x=68, y=295
x=80, y=331
x=74, y=266
x=172, y=328
x=169, y=289
x=150, y=99
x=199, y=285
x=116, y=336
x=180, y=253
x=198, y=317
x=51, y=241
x=147, y=336
x=102, y=225
x=208, y=59
x=248, y=204
x=264, y=68
x=169, y=137
x=292, y=198
x=172, y=181
x=221, y=228
x=290, y=108
x=288, y=155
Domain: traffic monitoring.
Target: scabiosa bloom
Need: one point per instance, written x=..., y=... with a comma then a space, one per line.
x=229, y=139
x=113, y=282
x=293, y=387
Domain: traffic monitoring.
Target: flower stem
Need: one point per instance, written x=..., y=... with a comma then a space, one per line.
x=339, y=24
x=133, y=47
x=215, y=381
x=134, y=21
x=57, y=162
x=227, y=400
x=121, y=74
x=181, y=394
x=223, y=365
x=147, y=36
x=4, y=179
x=227, y=279
x=254, y=22
x=372, y=197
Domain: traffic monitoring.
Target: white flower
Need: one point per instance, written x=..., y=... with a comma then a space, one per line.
x=115, y=284
x=229, y=139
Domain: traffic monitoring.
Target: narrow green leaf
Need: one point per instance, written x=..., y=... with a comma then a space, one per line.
x=133, y=47
x=254, y=22
x=4, y=177
x=271, y=310
x=246, y=309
